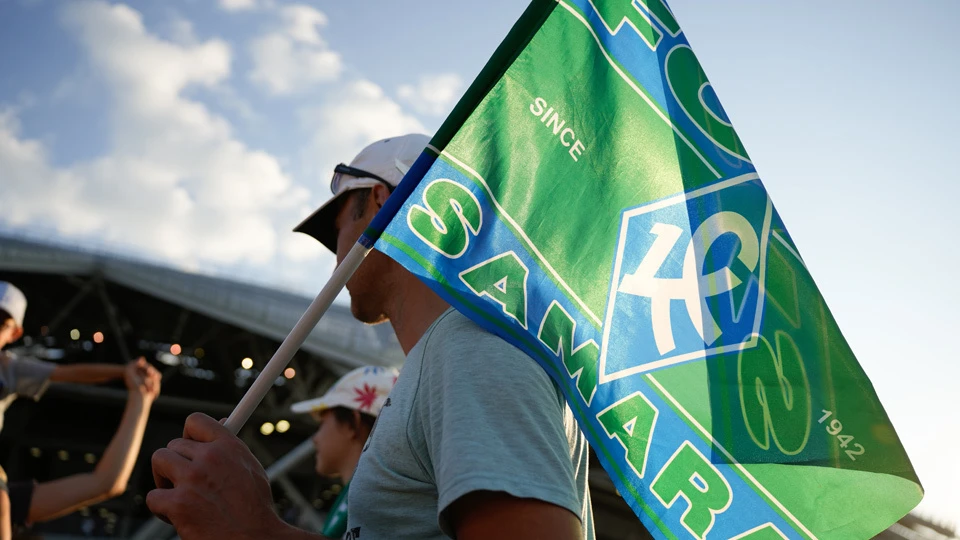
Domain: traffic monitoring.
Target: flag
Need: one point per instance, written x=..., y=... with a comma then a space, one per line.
x=589, y=201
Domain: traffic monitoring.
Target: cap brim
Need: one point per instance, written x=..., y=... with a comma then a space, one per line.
x=321, y=224
x=315, y=405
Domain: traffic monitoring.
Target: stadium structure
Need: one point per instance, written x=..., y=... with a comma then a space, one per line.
x=209, y=336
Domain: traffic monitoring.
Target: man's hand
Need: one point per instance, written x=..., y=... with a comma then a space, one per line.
x=211, y=486
x=142, y=378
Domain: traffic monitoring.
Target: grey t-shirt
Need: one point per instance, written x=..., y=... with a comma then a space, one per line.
x=21, y=377
x=469, y=412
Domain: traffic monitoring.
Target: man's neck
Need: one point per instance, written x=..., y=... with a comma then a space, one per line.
x=414, y=309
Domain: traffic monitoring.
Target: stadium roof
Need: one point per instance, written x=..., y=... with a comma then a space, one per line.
x=260, y=310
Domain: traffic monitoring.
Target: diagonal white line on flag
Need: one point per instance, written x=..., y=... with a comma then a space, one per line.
x=526, y=239
x=737, y=464
x=639, y=92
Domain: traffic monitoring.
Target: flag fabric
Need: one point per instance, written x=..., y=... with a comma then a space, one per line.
x=589, y=201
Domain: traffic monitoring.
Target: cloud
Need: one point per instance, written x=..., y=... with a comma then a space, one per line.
x=352, y=116
x=434, y=94
x=295, y=57
x=176, y=181
x=238, y=5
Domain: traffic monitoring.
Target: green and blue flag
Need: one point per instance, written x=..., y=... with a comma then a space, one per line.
x=589, y=201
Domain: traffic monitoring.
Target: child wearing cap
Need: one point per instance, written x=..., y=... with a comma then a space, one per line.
x=346, y=414
x=28, y=377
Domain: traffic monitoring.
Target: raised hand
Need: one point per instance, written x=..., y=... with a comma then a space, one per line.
x=142, y=378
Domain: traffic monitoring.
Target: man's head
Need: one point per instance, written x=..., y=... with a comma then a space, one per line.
x=13, y=306
x=359, y=191
x=346, y=414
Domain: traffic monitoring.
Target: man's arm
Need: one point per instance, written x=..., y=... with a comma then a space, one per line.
x=6, y=531
x=483, y=390
x=87, y=373
x=495, y=514
x=211, y=486
x=109, y=478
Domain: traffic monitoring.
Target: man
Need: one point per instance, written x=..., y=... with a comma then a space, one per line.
x=26, y=502
x=27, y=377
x=45, y=501
x=346, y=415
x=477, y=442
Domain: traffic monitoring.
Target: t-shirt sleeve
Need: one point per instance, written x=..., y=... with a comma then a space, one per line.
x=30, y=377
x=492, y=420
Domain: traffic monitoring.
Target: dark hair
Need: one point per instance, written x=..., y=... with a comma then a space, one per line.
x=4, y=316
x=344, y=415
x=359, y=201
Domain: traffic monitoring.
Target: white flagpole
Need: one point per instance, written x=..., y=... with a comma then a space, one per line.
x=295, y=338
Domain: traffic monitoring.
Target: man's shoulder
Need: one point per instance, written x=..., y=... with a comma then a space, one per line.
x=458, y=348
x=456, y=338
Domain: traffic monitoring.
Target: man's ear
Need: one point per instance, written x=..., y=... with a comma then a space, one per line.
x=380, y=195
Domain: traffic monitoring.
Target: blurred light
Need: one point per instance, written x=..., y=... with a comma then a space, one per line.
x=289, y=373
x=168, y=359
x=198, y=352
x=246, y=363
x=266, y=428
x=326, y=494
x=74, y=334
x=283, y=426
x=98, y=337
x=175, y=348
x=63, y=455
x=36, y=452
x=335, y=489
x=87, y=346
x=44, y=330
x=104, y=512
x=90, y=458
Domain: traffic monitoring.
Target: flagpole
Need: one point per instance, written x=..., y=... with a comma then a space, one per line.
x=274, y=368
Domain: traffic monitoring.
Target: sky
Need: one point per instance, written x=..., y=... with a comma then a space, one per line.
x=198, y=134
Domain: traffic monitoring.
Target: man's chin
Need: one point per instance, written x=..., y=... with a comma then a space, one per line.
x=366, y=316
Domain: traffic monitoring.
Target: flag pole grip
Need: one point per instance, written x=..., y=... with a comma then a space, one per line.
x=274, y=368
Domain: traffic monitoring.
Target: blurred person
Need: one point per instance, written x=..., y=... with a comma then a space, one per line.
x=346, y=415
x=30, y=377
x=478, y=442
x=32, y=502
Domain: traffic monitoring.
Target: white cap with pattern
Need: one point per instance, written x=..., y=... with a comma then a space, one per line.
x=364, y=389
x=13, y=302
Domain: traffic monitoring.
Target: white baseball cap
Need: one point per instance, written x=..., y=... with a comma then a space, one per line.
x=13, y=302
x=364, y=389
x=383, y=162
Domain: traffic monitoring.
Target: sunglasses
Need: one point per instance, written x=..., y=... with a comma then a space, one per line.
x=342, y=170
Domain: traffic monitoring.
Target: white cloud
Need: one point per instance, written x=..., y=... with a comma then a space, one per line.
x=353, y=116
x=238, y=5
x=433, y=94
x=181, y=31
x=302, y=22
x=295, y=57
x=177, y=181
